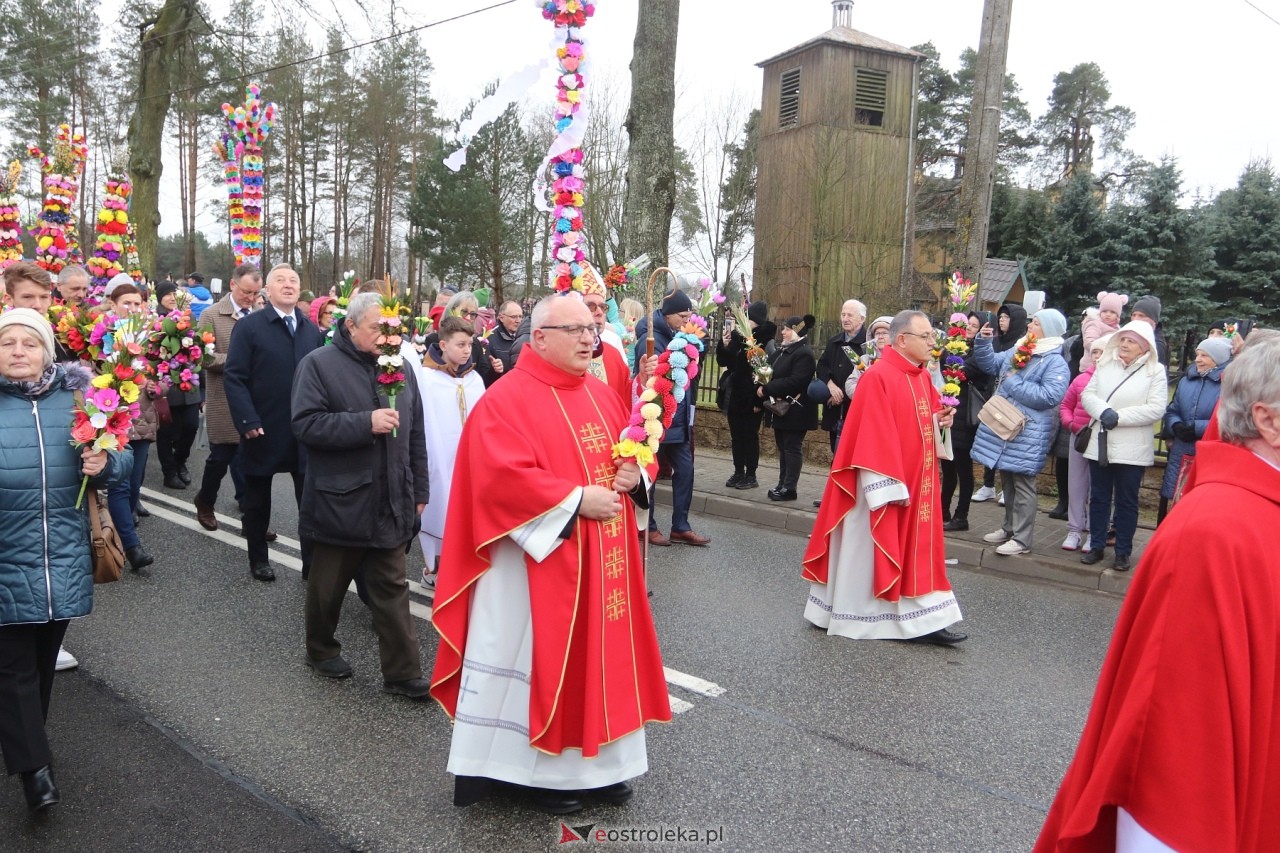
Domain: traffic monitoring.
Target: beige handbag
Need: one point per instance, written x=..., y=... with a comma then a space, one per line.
x=1003, y=418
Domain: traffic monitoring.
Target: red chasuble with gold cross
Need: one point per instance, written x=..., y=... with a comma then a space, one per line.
x=597, y=672
x=889, y=431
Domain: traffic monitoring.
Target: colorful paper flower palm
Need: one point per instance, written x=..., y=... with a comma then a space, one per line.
x=240, y=149
x=10, y=233
x=112, y=228
x=61, y=170
x=390, y=361
x=566, y=160
x=177, y=351
x=663, y=393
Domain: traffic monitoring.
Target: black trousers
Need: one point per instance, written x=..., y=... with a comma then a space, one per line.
x=744, y=435
x=257, y=517
x=28, y=654
x=388, y=599
x=958, y=471
x=222, y=458
x=173, y=442
x=790, y=457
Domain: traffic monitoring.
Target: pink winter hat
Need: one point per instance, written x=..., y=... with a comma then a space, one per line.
x=1112, y=302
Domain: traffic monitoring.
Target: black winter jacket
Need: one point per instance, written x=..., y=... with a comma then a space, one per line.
x=793, y=368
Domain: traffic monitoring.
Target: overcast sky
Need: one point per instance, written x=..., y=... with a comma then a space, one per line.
x=1199, y=76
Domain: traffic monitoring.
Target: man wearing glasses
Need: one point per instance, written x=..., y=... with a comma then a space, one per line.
x=677, y=442
x=875, y=560
x=502, y=341
x=548, y=659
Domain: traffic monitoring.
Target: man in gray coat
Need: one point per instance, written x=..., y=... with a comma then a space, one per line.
x=362, y=500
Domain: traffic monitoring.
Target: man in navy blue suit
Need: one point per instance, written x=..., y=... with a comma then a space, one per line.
x=258, y=379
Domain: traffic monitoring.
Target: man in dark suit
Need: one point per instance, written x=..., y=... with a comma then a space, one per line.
x=258, y=379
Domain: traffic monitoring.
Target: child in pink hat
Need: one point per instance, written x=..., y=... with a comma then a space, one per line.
x=1104, y=320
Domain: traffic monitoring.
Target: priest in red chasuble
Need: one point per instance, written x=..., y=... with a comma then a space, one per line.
x=1181, y=750
x=875, y=558
x=548, y=660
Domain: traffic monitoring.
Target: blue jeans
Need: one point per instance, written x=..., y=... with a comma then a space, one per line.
x=1122, y=481
x=680, y=458
x=122, y=499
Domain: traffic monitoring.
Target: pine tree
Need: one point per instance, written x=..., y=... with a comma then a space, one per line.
x=1245, y=225
x=1071, y=265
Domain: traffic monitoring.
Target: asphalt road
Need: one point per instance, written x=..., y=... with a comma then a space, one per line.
x=193, y=724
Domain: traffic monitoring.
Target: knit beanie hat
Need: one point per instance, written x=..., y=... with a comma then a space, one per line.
x=1112, y=302
x=676, y=302
x=1052, y=323
x=801, y=325
x=1218, y=349
x=34, y=321
x=163, y=289
x=758, y=311
x=1149, y=305
x=885, y=321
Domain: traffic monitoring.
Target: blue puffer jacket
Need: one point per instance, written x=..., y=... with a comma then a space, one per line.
x=45, y=568
x=1193, y=403
x=1036, y=390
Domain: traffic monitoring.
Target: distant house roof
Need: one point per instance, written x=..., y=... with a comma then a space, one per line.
x=998, y=277
x=852, y=38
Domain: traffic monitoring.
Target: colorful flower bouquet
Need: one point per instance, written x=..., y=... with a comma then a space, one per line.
x=345, y=290
x=390, y=361
x=757, y=358
x=177, y=351
x=74, y=325
x=710, y=297
x=102, y=416
x=1026, y=349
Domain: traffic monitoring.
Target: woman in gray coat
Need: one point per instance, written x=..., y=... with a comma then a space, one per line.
x=46, y=574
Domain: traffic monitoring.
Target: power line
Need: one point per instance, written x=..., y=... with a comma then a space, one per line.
x=317, y=57
x=1263, y=12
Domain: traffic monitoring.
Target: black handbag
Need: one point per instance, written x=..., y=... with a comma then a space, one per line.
x=778, y=405
x=1082, y=439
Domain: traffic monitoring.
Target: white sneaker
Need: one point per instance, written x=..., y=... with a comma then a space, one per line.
x=986, y=493
x=996, y=537
x=1072, y=542
x=429, y=579
x=1012, y=548
x=1088, y=543
x=1000, y=500
x=66, y=661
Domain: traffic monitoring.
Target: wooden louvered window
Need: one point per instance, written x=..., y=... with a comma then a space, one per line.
x=789, y=99
x=870, y=96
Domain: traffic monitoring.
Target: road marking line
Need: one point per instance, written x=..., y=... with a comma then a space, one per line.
x=189, y=507
x=692, y=682
x=423, y=612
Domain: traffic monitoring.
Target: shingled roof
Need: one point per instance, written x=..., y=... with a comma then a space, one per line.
x=998, y=276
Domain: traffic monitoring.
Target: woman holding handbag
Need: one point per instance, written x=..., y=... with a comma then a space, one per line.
x=793, y=366
x=1033, y=379
x=958, y=471
x=46, y=577
x=1128, y=393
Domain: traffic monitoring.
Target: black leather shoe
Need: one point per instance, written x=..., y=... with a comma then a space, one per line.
x=262, y=571
x=469, y=790
x=173, y=481
x=817, y=504
x=782, y=495
x=1058, y=513
x=40, y=788
x=143, y=512
x=748, y=481
x=616, y=794
x=414, y=688
x=1091, y=557
x=334, y=667
x=138, y=558
x=940, y=637
x=1121, y=563
x=271, y=536
x=956, y=524
x=733, y=481
x=184, y=475
x=554, y=802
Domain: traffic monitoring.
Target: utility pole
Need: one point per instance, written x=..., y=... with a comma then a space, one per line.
x=984, y=138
